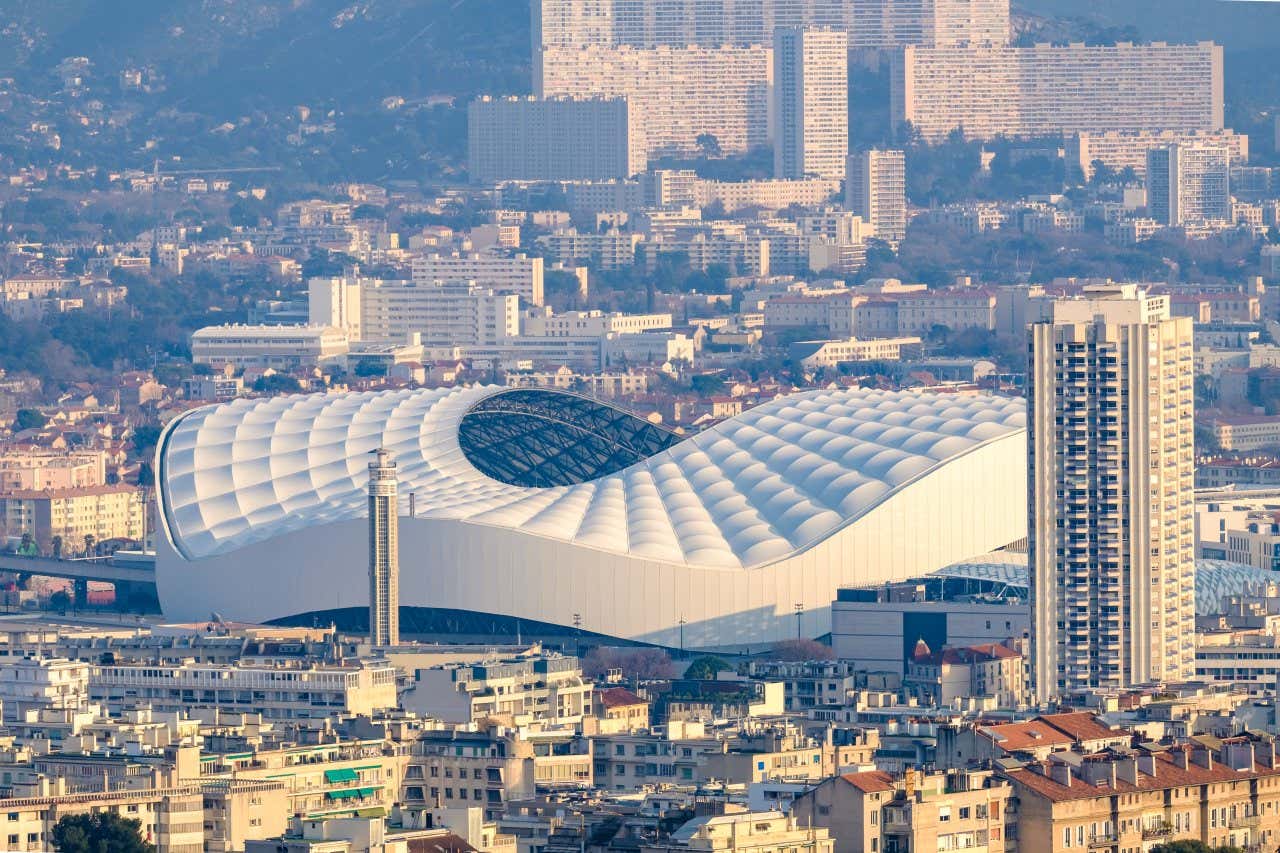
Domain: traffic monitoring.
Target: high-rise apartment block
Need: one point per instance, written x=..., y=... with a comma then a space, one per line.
x=679, y=96
x=1110, y=500
x=876, y=190
x=811, y=102
x=1048, y=90
x=1188, y=184
x=552, y=139
x=870, y=24
x=384, y=551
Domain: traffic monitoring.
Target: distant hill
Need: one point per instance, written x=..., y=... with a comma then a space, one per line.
x=1239, y=25
x=230, y=56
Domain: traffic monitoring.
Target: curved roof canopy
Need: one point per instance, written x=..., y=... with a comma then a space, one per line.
x=746, y=492
x=534, y=437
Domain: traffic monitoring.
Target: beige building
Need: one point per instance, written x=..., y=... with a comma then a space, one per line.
x=1048, y=90
x=390, y=313
x=1246, y=432
x=549, y=690
x=769, y=194
x=1221, y=793
x=36, y=470
x=1110, y=464
x=875, y=812
x=940, y=678
x=103, y=512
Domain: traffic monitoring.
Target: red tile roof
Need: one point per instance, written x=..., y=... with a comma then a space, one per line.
x=870, y=782
x=619, y=697
x=1169, y=774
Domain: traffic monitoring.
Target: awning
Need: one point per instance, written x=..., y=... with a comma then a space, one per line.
x=342, y=795
x=368, y=792
x=371, y=811
x=346, y=775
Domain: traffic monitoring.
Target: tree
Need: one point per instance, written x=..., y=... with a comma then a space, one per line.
x=1193, y=845
x=29, y=419
x=277, y=383
x=801, y=650
x=709, y=145
x=55, y=546
x=60, y=601
x=705, y=667
x=707, y=384
x=639, y=664
x=103, y=832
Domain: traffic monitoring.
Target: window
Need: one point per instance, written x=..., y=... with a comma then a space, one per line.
x=944, y=814
x=965, y=813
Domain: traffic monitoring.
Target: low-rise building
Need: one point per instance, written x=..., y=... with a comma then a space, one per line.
x=549, y=690
x=279, y=347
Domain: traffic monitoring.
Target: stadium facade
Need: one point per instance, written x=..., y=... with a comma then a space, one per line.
x=549, y=506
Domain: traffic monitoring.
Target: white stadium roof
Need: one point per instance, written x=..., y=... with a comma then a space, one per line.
x=748, y=491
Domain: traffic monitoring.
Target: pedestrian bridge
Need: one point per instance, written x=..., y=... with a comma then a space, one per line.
x=131, y=572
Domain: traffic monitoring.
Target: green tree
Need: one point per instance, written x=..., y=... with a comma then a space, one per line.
x=29, y=419
x=103, y=832
x=709, y=145
x=1188, y=845
x=60, y=601
x=707, y=384
x=277, y=383
x=705, y=667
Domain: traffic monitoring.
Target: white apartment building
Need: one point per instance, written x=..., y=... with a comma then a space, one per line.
x=1119, y=151
x=745, y=832
x=815, y=354
x=676, y=94
x=1188, y=184
x=172, y=818
x=389, y=313
x=550, y=690
x=741, y=254
x=552, y=139
x=609, y=251
x=1048, y=90
x=518, y=274
x=42, y=684
x=543, y=323
x=1110, y=504
x=811, y=103
x=876, y=190
x=767, y=194
x=274, y=692
x=279, y=347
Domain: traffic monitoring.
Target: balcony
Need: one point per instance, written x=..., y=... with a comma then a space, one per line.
x=1244, y=822
x=1163, y=830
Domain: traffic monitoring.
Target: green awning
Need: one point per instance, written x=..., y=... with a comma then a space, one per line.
x=332, y=776
x=368, y=792
x=372, y=811
x=341, y=795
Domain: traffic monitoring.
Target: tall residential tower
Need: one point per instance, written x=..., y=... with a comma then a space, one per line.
x=384, y=552
x=1111, y=513
x=1188, y=182
x=811, y=102
x=876, y=190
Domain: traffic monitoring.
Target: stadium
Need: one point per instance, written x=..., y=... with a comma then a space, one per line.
x=552, y=507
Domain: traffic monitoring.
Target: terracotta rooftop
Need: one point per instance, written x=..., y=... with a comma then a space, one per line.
x=1169, y=774
x=870, y=782
x=619, y=697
